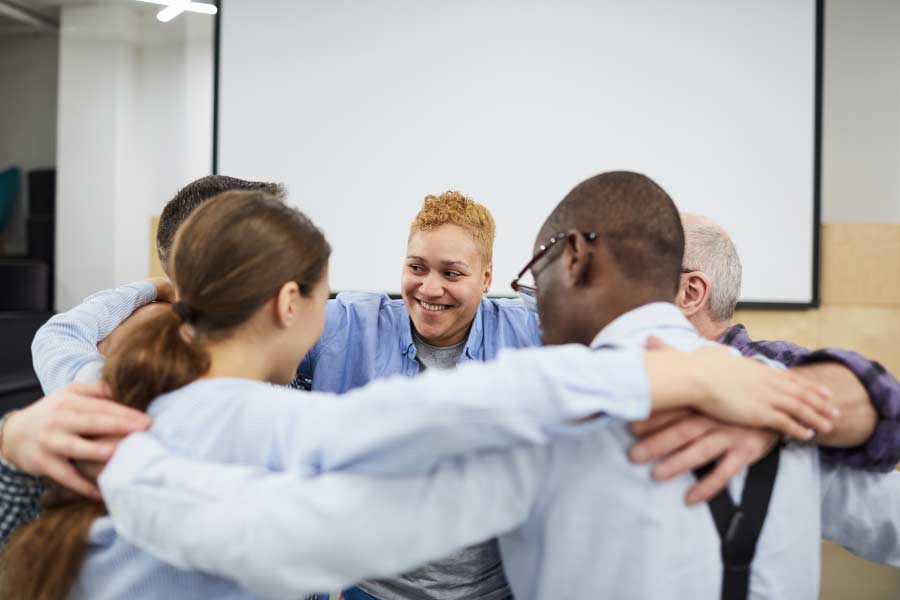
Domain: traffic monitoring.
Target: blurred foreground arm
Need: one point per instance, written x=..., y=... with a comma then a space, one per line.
x=281, y=535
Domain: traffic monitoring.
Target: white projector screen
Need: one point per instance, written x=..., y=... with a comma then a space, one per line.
x=362, y=108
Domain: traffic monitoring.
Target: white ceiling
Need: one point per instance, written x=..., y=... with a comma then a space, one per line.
x=50, y=9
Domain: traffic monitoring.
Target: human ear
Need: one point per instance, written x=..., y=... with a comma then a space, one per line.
x=578, y=257
x=693, y=292
x=287, y=304
x=488, y=277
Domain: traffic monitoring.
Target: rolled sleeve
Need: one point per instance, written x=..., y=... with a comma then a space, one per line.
x=882, y=451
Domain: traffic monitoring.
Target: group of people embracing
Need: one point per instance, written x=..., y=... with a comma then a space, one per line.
x=610, y=433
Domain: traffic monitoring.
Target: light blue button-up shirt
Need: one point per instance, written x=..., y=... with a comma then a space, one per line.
x=578, y=519
x=368, y=336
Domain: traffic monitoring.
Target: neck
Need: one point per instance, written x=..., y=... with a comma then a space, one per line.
x=239, y=357
x=709, y=328
x=623, y=299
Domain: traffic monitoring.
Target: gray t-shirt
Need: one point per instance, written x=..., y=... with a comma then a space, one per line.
x=473, y=573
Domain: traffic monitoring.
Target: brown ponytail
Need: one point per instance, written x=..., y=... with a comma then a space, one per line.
x=156, y=358
x=42, y=559
x=230, y=256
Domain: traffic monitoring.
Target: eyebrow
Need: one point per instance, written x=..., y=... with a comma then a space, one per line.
x=444, y=263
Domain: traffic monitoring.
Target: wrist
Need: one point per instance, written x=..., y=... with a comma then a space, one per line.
x=703, y=391
x=5, y=436
x=677, y=380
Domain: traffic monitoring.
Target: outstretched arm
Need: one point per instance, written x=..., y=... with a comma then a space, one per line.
x=283, y=535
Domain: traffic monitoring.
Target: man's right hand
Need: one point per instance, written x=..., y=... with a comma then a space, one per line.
x=45, y=437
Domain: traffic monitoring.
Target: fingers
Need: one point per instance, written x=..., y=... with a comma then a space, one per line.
x=658, y=420
x=64, y=472
x=805, y=403
x=805, y=415
x=93, y=389
x=656, y=343
x=784, y=423
x=693, y=456
x=814, y=395
x=92, y=407
x=716, y=480
x=668, y=440
x=72, y=447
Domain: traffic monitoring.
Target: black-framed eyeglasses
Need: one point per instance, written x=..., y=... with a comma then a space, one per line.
x=530, y=291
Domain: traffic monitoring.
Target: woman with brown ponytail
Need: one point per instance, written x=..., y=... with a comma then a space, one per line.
x=251, y=274
x=249, y=266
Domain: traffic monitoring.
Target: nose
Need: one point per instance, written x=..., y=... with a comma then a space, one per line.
x=431, y=286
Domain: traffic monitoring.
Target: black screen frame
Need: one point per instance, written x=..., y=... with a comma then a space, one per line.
x=817, y=153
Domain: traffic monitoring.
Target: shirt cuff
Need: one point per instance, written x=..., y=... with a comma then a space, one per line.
x=15, y=481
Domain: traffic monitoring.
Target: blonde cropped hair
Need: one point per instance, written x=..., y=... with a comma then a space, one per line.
x=455, y=208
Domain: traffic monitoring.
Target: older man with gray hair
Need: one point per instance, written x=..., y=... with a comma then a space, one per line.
x=710, y=290
x=868, y=396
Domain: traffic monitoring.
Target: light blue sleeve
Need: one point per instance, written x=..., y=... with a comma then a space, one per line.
x=280, y=535
x=405, y=425
x=65, y=347
x=861, y=512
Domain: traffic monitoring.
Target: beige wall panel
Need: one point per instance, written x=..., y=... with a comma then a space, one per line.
x=155, y=267
x=845, y=576
x=861, y=263
x=869, y=330
x=797, y=326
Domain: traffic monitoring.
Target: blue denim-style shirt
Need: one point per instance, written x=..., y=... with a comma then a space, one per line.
x=368, y=336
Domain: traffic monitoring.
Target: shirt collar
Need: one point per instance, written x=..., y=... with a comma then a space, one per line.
x=736, y=337
x=474, y=343
x=641, y=321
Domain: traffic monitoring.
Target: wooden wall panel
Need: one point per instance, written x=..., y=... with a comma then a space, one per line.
x=799, y=327
x=861, y=264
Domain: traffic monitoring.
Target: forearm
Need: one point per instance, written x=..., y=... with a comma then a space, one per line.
x=880, y=449
x=282, y=535
x=67, y=343
x=858, y=418
x=405, y=425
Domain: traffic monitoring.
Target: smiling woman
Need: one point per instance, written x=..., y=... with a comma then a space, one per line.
x=448, y=267
x=442, y=320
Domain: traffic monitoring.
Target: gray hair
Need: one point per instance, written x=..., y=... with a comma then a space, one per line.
x=709, y=249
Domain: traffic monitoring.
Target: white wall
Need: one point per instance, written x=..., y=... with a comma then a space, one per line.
x=28, y=80
x=861, y=118
x=134, y=126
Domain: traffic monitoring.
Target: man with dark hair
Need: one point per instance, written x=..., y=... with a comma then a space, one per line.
x=193, y=195
x=642, y=233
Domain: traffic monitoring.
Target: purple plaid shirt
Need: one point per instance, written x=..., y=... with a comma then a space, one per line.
x=882, y=451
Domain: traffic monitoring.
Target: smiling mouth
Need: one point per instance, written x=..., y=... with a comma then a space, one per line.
x=428, y=306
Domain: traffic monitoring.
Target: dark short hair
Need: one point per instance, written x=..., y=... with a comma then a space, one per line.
x=193, y=195
x=634, y=217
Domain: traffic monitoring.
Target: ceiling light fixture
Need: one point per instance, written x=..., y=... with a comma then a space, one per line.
x=173, y=8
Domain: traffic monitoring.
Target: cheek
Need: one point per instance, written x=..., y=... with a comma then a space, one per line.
x=408, y=282
x=468, y=294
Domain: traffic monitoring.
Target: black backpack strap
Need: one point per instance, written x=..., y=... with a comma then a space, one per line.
x=739, y=526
